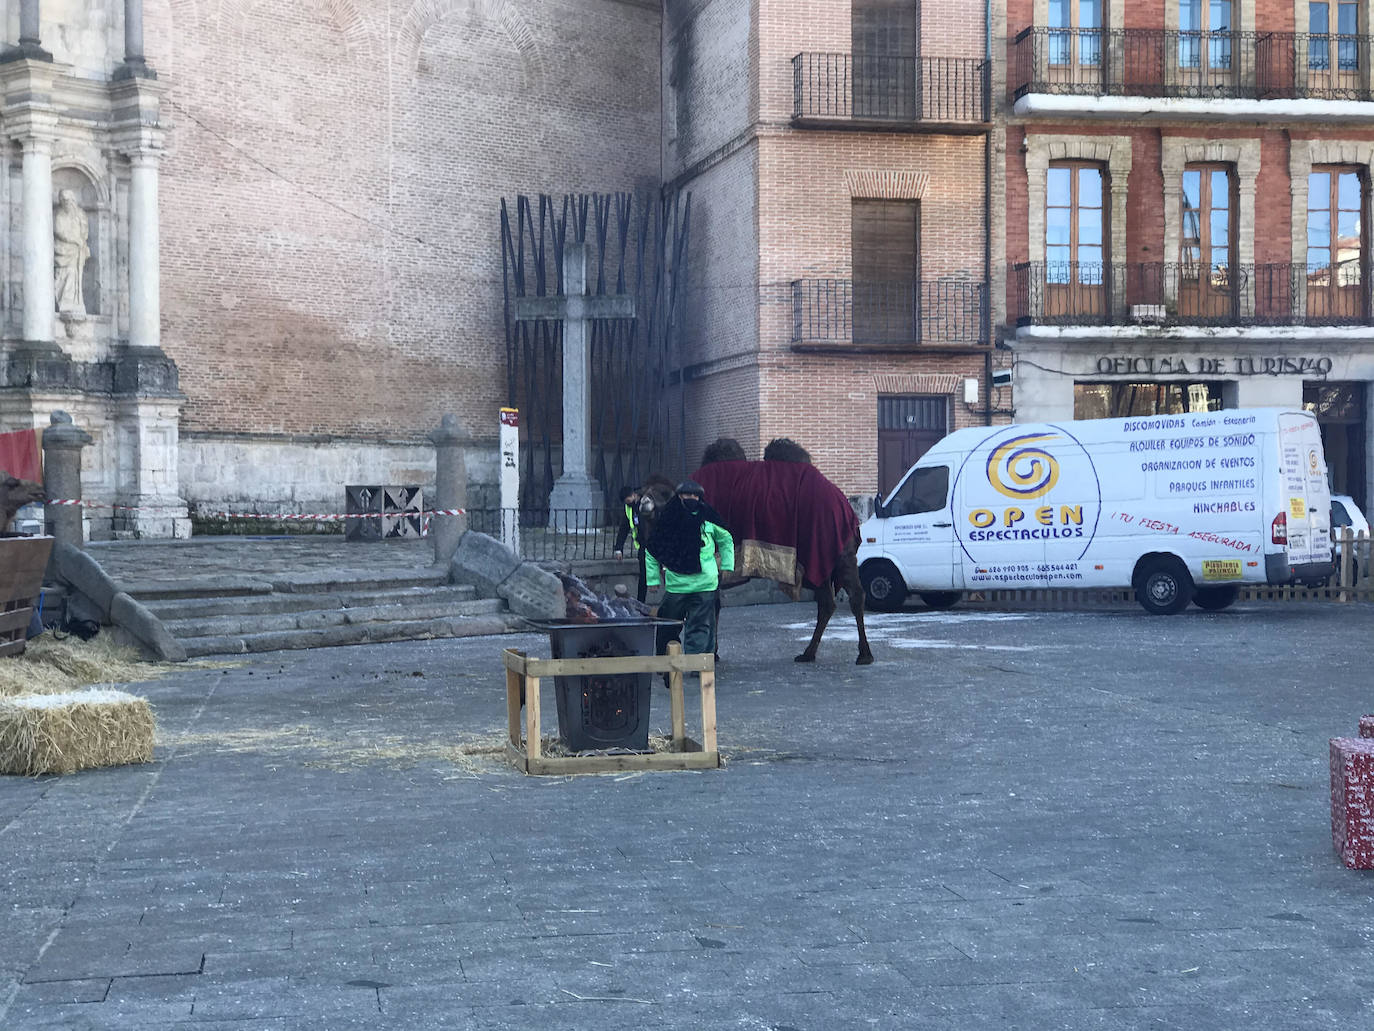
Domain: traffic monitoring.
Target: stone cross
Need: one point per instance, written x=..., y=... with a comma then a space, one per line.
x=575, y=489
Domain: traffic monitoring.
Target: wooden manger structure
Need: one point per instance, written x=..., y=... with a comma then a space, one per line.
x=523, y=675
x=22, y=562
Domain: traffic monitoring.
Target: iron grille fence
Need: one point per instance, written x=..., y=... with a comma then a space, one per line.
x=638, y=248
x=1175, y=293
x=897, y=314
x=551, y=535
x=829, y=86
x=1171, y=63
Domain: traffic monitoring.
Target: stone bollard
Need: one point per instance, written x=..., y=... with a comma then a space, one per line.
x=62, y=444
x=450, y=441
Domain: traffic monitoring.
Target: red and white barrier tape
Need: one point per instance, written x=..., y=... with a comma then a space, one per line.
x=279, y=517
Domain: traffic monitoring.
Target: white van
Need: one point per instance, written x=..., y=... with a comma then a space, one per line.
x=1178, y=507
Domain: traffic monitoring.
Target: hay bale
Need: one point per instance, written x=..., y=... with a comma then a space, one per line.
x=53, y=666
x=77, y=730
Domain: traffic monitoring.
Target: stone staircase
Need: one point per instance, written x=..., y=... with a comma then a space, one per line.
x=230, y=600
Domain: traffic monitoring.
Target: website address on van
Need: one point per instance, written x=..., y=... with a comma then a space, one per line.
x=1023, y=577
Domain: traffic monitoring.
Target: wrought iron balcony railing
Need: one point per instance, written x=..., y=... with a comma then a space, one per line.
x=1159, y=63
x=839, y=88
x=1181, y=294
x=897, y=315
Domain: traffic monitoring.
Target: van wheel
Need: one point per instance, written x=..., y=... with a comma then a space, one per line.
x=1214, y=599
x=940, y=599
x=1163, y=586
x=884, y=588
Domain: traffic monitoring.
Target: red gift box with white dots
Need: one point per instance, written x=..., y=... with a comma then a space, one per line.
x=1367, y=726
x=1352, y=800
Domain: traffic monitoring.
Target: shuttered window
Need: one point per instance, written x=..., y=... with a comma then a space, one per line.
x=885, y=238
x=885, y=36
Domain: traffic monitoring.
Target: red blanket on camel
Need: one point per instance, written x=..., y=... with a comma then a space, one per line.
x=772, y=508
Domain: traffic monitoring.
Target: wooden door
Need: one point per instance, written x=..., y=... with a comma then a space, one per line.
x=1075, y=44
x=1207, y=280
x=1333, y=48
x=1336, y=247
x=1075, y=237
x=1208, y=62
x=909, y=425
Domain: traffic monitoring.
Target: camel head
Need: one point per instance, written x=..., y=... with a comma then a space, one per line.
x=15, y=494
x=783, y=449
x=653, y=496
x=724, y=449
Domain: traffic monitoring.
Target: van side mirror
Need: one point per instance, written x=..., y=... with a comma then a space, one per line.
x=878, y=509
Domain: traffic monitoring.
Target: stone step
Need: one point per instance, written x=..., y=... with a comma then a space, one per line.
x=333, y=581
x=241, y=605
x=318, y=618
x=359, y=633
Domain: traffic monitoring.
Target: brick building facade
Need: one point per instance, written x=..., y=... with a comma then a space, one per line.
x=836, y=153
x=1187, y=198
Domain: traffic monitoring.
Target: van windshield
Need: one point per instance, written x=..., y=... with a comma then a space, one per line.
x=925, y=490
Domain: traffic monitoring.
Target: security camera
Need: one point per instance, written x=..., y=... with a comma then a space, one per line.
x=1001, y=377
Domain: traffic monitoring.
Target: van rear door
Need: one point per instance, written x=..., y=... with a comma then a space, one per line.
x=1304, y=495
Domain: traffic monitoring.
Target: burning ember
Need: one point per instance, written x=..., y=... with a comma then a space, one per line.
x=586, y=606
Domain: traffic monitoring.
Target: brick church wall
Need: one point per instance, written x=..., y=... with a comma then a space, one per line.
x=330, y=205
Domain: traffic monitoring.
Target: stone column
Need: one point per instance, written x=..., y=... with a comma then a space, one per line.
x=450, y=441
x=39, y=302
x=135, y=65
x=62, y=444
x=133, y=31
x=30, y=38
x=145, y=270
x=29, y=22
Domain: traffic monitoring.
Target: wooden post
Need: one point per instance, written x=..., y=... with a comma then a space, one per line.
x=1347, y=553
x=513, y=701
x=708, y=710
x=675, y=699
x=533, y=742
x=1362, y=557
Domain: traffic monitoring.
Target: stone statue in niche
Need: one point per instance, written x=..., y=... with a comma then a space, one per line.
x=71, y=250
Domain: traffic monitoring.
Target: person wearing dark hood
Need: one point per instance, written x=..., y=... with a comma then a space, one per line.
x=687, y=552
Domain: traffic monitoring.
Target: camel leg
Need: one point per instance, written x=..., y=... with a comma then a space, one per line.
x=825, y=608
x=848, y=576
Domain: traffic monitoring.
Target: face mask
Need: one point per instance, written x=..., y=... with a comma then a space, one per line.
x=692, y=506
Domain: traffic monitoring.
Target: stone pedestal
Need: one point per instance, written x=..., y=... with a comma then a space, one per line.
x=62, y=445
x=450, y=441
x=576, y=493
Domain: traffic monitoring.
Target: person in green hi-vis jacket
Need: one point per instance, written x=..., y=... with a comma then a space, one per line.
x=688, y=550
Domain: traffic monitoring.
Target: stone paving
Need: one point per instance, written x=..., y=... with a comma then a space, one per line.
x=1028, y=821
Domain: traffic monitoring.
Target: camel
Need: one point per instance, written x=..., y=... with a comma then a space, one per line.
x=825, y=504
x=14, y=495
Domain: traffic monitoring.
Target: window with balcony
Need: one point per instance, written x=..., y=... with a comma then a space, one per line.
x=1337, y=199
x=1333, y=48
x=1206, y=47
x=886, y=297
x=1075, y=235
x=1075, y=42
x=885, y=42
x=1207, y=282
